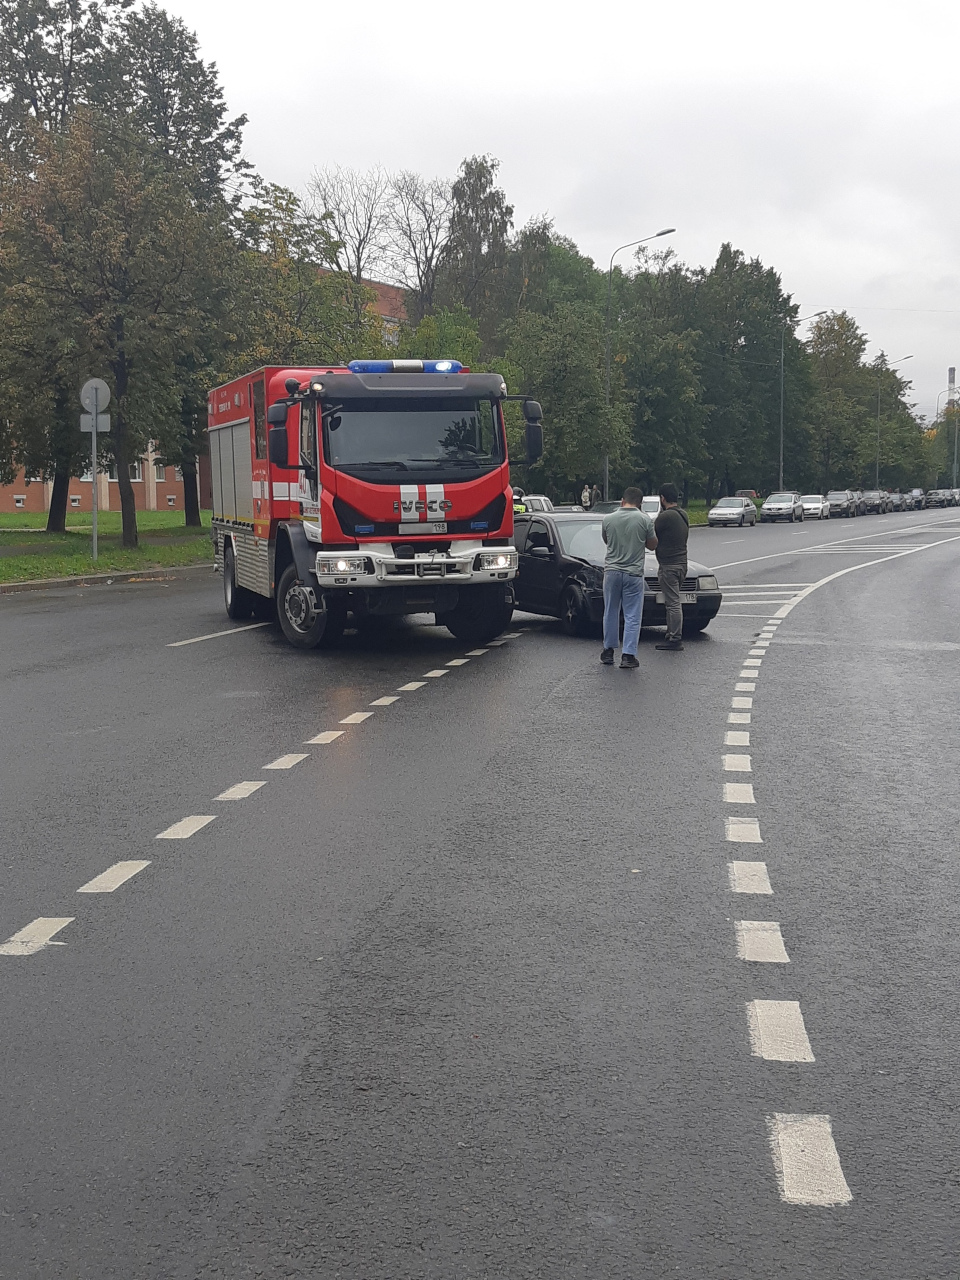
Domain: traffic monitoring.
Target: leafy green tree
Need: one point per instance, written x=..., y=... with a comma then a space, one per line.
x=445, y=334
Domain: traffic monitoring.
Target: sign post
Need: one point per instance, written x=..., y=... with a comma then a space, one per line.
x=94, y=396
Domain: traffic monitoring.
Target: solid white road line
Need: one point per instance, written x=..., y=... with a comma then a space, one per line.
x=322, y=739
x=356, y=717
x=410, y=686
x=738, y=793
x=743, y=830
x=749, y=877
x=475, y=653
x=760, y=941
x=113, y=877
x=776, y=555
x=186, y=827
x=240, y=791
x=36, y=936
x=434, y=675
x=458, y=662
x=388, y=701
x=806, y=1161
x=215, y=635
x=777, y=1031
x=738, y=717
x=737, y=764
x=741, y=704
x=736, y=738
x=287, y=762
x=745, y=686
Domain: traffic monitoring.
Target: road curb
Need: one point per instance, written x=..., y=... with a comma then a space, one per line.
x=106, y=579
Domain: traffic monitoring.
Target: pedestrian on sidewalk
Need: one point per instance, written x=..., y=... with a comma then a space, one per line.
x=672, y=528
x=595, y=495
x=585, y=497
x=628, y=533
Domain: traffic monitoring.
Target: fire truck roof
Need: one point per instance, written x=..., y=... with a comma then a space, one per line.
x=364, y=386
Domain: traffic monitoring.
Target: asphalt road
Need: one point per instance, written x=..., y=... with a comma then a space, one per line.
x=468, y=990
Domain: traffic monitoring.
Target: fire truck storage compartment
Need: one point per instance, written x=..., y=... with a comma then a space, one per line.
x=231, y=469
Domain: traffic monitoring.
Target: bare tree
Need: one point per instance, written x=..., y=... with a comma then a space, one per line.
x=358, y=209
x=419, y=231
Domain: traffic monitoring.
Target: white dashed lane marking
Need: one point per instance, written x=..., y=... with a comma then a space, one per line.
x=745, y=686
x=750, y=674
x=738, y=793
x=356, y=717
x=287, y=762
x=434, y=675
x=806, y=1160
x=777, y=1031
x=737, y=764
x=742, y=704
x=749, y=877
x=388, y=701
x=761, y=942
x=737, y=738
x=187, y=827
x=752, y=662
x=322, y=739
x=739, y=717
x=475, y=653
x=743, y=830
x=36, y=936
x=411, y=685
x=458, y=662
x=216, y=635
x=240, y=791
x=113, y=877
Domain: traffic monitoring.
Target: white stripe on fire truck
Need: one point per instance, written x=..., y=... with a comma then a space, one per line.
x=409, y=497
x=435, y=496
x=281, y=489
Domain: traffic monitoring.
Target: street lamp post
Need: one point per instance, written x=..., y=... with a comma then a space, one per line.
x=880, y=372
x=783, y=333
x=606, y=376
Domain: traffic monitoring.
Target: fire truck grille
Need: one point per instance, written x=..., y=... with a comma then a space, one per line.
x=427, y=569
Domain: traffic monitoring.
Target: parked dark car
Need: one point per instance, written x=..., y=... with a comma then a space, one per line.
x=841, y=502
x=876, y=500
x=561, y=574
x=898, y=501
x=935, y=498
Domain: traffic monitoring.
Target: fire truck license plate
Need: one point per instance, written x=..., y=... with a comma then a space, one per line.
x=437, y=526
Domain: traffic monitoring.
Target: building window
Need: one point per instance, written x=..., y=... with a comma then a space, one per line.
x=35, y=479
x=160, y=471
x=136, y=470
x=178, y=472
x=19, y=499
x=171, y=499
x=74, y=500
x=87, y=476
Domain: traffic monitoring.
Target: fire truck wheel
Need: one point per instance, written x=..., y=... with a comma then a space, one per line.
x=238, y=600
x=305, y=619
x=481, y=614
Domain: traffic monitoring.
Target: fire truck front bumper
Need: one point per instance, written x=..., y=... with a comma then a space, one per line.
x=377, y=565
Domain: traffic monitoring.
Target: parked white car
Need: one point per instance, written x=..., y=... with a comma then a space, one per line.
x=782, y=506
x=738, y=511
x=815, y=506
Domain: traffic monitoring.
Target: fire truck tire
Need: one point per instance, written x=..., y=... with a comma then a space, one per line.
x=305, y=618
x=481, y=614
x=239, y=601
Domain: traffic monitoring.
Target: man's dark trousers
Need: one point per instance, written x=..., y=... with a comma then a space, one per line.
x=671, y=580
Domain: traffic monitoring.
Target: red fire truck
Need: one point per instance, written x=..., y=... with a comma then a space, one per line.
x=382, y=487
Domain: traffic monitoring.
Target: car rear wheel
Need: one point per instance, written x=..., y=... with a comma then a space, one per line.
x=306, y=619
x=574, y=613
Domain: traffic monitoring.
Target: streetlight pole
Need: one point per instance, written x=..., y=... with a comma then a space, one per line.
x=783, y=333
x=606, y=376
x=880, y=372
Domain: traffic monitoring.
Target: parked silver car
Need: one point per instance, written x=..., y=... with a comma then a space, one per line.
x=738, y=511
x=782, y=506
x=815, y=506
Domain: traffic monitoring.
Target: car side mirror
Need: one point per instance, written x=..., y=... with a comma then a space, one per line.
x=543, y=552
x=278, y=450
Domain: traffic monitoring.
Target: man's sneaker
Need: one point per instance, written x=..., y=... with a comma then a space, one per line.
x=606, y=657
x=672, y=645
x=629, y=661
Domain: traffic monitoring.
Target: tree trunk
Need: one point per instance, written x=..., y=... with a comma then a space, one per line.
x=685, y=498
x=191, y=494
x=128, y=506
x=709, y=489
x=57, y=515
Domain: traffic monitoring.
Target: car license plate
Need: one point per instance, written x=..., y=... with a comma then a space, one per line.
x=686, y=597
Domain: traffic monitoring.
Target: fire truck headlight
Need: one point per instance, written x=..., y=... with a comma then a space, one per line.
x=342, y=564
x=506, y=559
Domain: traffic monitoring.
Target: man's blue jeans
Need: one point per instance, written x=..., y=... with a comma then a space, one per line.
x=622, y=591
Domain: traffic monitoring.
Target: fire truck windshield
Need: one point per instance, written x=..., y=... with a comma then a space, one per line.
x=453, y=435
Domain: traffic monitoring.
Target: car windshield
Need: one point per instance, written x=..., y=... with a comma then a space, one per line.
x=837, y=493
x=811, y=497
x=872, y=493
x=780, y=497
x=428, y=434
x=583, y=539
x=730, y=502
x=650, y=505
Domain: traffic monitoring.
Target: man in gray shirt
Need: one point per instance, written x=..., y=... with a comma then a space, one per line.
x=628, y=533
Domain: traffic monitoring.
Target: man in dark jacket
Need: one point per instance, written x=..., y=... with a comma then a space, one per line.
x=672, y=529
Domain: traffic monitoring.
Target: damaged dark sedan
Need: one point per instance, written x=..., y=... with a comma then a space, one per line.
x=561, y=574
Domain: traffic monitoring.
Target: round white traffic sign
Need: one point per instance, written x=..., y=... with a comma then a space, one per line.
x=95, y=395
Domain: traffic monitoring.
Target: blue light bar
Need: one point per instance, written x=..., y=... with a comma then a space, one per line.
x=405, y=366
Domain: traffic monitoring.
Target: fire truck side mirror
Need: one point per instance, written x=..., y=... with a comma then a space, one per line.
x=277, y=414
x=277, y=447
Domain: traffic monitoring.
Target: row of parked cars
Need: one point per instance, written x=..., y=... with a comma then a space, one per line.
x=742, y=510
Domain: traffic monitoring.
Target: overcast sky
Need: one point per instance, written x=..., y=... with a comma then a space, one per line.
x=812, y=136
